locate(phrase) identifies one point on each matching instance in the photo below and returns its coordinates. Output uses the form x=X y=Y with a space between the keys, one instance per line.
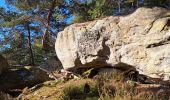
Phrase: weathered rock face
x=141 y=40
x=4 y=66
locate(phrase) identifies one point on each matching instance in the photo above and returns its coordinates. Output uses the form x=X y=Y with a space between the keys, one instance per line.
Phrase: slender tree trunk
x=119 y=4
x=45 y=39
x=30 y=46
x=137 y=3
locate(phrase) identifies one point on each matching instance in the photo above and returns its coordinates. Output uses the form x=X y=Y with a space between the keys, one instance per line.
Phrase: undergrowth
x=84 y=90
x=106 y=86
x=109 y=86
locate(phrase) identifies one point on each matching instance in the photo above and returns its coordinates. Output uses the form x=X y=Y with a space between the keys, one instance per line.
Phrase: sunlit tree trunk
x=45 y=39
x=119 y=5
x=137 y=3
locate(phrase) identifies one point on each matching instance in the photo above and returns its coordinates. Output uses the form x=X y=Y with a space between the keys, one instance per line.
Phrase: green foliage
x=6 y=15
x=26 y=4
x=17 y=20
x=39 y=55
x=100 y=9
x=93 y=9
x=155 y=2
x=29 y=4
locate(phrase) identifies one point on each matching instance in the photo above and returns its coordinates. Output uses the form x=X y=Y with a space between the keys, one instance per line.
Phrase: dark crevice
x=151 y=26
x=105 y=52
x=163 y=42
x=168 y=22
x=78 y=62
x=166 y=26
x=123 y=66
x=130 y=73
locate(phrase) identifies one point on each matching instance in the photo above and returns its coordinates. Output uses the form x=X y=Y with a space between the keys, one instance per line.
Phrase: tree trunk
x=119 y=4
x=45 y=39
x=30 y=46
x=137 y=3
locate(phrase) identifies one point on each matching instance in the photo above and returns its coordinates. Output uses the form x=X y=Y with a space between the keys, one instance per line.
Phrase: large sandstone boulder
x=4 y=66
x=140 y=40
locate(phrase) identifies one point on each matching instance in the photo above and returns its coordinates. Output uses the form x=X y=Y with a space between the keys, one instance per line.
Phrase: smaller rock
x=52 y=64
x=40 y=74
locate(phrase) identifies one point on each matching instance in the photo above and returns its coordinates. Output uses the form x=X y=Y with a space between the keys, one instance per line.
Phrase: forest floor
x=104 y=86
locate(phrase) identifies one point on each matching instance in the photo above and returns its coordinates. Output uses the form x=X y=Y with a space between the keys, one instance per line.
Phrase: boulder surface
x=4 y=66
x=140 y=40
